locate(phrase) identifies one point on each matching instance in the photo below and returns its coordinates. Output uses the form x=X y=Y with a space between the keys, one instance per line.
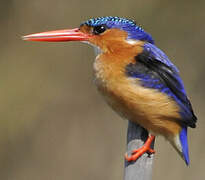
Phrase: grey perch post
x=141 y=169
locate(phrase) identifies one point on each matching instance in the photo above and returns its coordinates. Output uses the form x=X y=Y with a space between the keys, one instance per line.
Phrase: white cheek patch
x=131 y=41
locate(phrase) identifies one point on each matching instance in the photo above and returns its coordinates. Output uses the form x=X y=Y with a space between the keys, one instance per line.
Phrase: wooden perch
x=142 y=168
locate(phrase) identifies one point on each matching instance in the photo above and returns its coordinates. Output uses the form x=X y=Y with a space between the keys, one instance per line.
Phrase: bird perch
x=141 y=169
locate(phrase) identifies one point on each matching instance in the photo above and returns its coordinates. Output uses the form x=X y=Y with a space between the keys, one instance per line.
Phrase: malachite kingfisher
x=136 y=79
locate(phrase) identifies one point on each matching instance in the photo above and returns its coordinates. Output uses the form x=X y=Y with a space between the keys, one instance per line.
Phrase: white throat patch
x=97 y=50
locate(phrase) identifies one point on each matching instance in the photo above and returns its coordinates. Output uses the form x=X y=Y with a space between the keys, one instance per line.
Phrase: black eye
x=99 y=29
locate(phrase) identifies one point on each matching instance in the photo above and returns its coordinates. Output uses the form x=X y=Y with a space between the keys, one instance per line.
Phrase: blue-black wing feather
x=156 y=71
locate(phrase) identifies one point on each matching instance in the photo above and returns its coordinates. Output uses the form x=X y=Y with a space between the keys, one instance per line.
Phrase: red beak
x=59 y=36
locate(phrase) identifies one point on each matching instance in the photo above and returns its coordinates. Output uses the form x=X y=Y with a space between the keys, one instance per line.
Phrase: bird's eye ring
x=99 y=29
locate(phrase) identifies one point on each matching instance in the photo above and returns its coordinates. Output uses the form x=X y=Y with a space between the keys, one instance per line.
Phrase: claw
x=136 y=153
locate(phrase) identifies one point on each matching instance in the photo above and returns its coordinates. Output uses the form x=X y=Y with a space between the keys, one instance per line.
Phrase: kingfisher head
x=103 y=32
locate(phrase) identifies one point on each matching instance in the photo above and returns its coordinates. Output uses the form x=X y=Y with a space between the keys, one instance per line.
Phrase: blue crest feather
x=134 y=31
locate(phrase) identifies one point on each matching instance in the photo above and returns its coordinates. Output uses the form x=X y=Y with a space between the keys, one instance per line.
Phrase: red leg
x=139 y=152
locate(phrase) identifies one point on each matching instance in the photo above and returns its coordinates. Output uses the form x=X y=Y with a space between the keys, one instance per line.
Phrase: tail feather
x=184 y=144
x=180 y=143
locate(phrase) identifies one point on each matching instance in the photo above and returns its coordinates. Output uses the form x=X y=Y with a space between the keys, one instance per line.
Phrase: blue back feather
x=158 y=54
x=156 y=71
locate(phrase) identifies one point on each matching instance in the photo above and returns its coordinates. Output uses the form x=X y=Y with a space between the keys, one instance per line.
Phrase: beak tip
x=24 y=38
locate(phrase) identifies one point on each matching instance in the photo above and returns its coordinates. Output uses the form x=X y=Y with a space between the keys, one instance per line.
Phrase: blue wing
x=159 y=55
x=156 y=71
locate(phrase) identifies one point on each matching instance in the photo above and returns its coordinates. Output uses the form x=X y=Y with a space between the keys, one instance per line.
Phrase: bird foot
x=136 y=153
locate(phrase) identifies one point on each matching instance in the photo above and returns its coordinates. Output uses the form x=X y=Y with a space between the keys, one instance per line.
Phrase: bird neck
x=110 y=65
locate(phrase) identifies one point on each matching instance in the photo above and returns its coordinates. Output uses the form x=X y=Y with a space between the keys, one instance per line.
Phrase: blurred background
x=54 y=124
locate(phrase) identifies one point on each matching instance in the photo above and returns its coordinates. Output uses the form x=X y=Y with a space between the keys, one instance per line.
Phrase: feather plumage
x=156 y=71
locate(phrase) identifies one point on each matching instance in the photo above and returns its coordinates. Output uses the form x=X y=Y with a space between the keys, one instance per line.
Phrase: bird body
x=130 y=100
x=136 y=79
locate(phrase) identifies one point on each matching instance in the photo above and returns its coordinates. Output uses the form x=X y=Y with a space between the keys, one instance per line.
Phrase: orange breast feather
x=150 y=108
